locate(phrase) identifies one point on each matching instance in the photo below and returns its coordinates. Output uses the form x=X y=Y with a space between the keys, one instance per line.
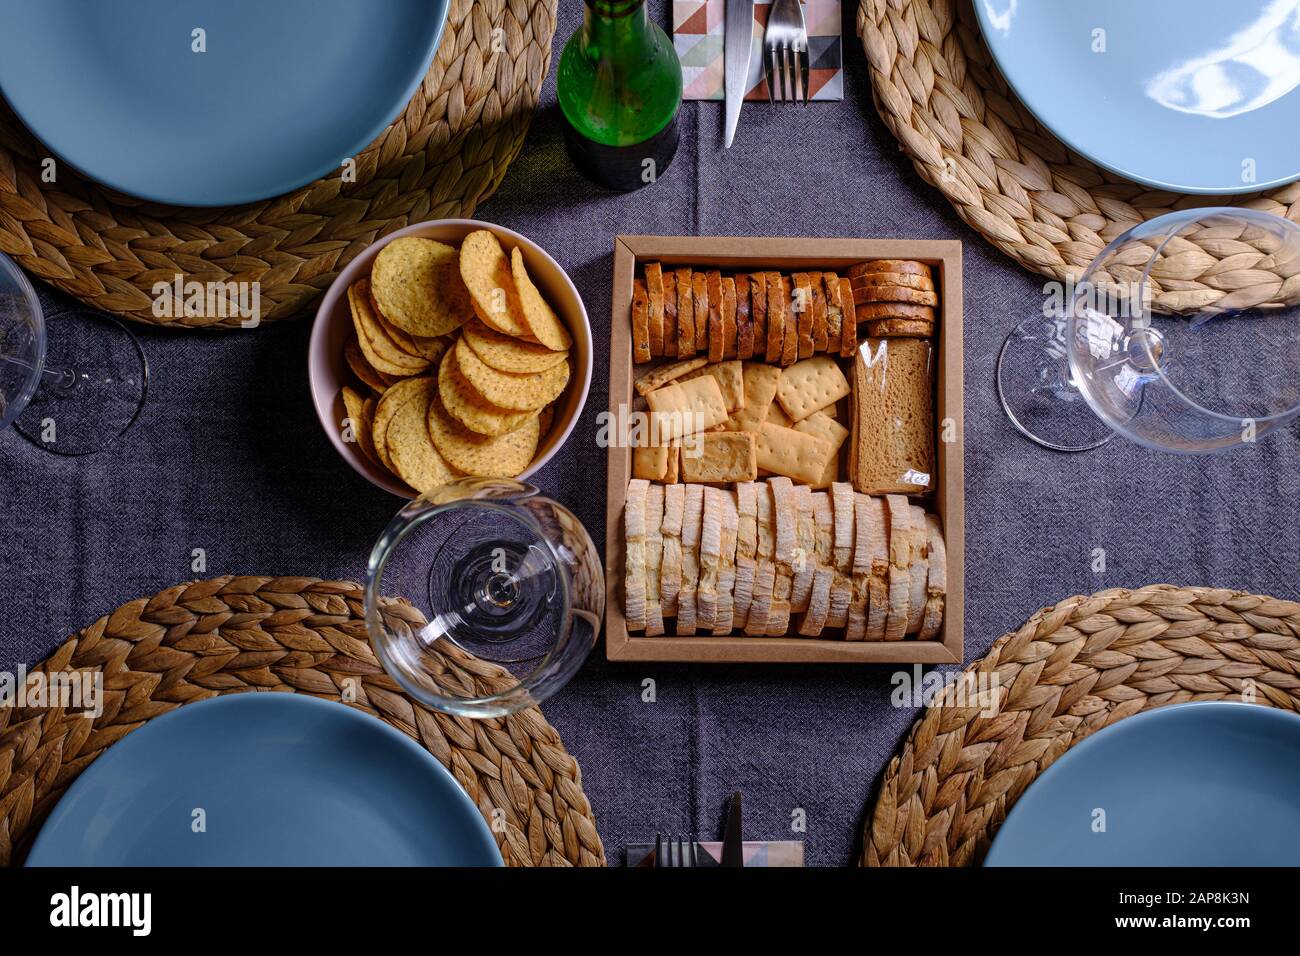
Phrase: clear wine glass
x=491 y=569
x=71 y=383
x=1182 y=335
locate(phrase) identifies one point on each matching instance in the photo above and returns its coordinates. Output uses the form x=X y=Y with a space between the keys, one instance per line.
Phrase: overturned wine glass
x=492 y=571
x=70 y=383
x=1182 y=335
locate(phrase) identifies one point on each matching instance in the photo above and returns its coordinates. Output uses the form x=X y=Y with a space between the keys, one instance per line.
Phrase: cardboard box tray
x=947 y=499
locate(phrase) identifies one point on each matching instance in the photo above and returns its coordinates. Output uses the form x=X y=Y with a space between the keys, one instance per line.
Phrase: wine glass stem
x=62 y=379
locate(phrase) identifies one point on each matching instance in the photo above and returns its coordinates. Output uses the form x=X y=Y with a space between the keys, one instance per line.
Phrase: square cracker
x=720 y=458
x=811 y=385
x=784 y=451
x=758 y=380
x=683 y=408
x=731 y=383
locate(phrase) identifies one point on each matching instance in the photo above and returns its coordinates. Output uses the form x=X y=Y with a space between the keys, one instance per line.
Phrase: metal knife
x=738 y=36
x=733 y=845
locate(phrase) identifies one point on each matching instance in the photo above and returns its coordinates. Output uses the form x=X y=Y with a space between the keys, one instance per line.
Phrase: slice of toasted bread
x=778 y=306
x=905 y=280
x=700 y=292
x=714 y=285
x=685 y=314
x=724 y=616
x=670 y=314
x=814 y=619
x=692 y=528
x=790 y=346
x=670 y=577
x=654 y=285
x=867 y=294
x=744 y=318
x=805 y=557
x=634 y=579
x=706 y=593
x=900 y=559
x=803 y=308
x=764 y=566
x=878 y=582
x=864 y=522
x=820 y=326
x=729 y=344
x=654 y=552
x=916 y=596
x=758 y=312
x=936 y=584
x=746 y=550
x=907 y=266
x=640 y=322
x=848 y=321
x=834 y=311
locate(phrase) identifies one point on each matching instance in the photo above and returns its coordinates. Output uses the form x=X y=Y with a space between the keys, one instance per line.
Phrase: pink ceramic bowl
x=328 y=371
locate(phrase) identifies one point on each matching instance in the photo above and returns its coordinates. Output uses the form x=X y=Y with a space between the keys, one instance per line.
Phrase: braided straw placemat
x=238 y=634
x=938 y=90
x=447 y=152
x=1067 y=672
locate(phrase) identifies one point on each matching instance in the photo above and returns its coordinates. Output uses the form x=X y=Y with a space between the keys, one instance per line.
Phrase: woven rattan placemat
x=447 y=152
x=1067 y=672
x=936 y=87
x=238 y=634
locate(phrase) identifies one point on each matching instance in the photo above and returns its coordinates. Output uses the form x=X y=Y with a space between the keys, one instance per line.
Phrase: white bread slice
x=819 y=598
x=916 y=596
x=725 y=615
x=692 y=526
x=634 y=567
x=936 y=582
x=706 y=593
x=654 y=552
x=900 y=559
x=746 y=550
x=878 y=582
x=842 y=508
x=786 y=518
x=670 y=578
x=805 y=558
x=760 y=608
x=864 y=523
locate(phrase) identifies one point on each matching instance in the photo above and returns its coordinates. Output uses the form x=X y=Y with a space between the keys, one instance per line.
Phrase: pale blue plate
x=1195 y=96
x=275 y=780
x=1204 y=784
x=285 y=92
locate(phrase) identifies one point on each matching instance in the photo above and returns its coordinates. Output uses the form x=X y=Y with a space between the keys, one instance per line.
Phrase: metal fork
x=785 y=53
x=674 y=852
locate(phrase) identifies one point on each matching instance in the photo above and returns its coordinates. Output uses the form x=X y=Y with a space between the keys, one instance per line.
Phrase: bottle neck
x=612 y=23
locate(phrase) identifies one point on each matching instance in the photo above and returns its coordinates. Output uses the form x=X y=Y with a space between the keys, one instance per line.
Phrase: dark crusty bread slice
x=893 y=434
x=728 y=317
x=685 y=314
x=715 y=315
x=640 y=322
x=654 y=285
x=819 y=333
x=790 y=346
x=849 y=322
x=744 y=319
x=700 y=291
x=909 y=266
x=872 y=311
x=758 y=311
x=864 y=295
x=777 y=307
x=904 y=279
x=670 y=314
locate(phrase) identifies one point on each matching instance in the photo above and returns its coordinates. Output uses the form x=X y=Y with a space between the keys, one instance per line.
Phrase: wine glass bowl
x=1181 y=335
x=485 y=576
x=22 y=341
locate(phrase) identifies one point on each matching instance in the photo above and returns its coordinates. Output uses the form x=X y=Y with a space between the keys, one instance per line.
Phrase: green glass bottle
x=620 y=88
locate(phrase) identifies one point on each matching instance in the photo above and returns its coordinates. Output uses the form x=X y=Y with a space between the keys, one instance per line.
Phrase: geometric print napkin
x=697 y=37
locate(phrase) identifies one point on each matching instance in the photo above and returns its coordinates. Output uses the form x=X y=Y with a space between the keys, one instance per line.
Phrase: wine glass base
x=1034 y=387
x=95 y=382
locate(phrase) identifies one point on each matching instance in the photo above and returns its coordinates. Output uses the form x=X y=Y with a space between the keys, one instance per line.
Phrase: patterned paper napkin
x=697 y=35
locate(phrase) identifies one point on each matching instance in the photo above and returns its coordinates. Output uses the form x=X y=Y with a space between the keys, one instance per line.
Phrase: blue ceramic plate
x=284 y=92
x=1206 y=784
x=1196 y=96
x=280 y=780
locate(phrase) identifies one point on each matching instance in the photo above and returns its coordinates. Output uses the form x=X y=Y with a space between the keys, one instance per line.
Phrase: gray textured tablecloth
x=228 y=457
